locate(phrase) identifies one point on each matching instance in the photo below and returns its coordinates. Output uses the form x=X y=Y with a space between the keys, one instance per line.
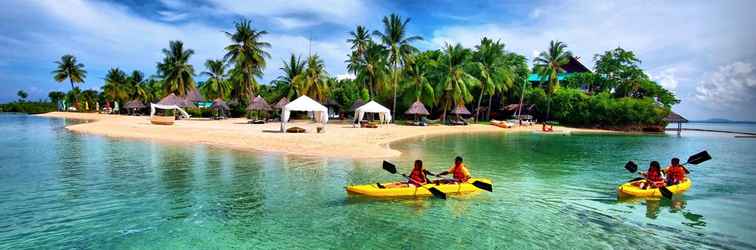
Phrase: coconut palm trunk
x=477 y=111
x=488 y=111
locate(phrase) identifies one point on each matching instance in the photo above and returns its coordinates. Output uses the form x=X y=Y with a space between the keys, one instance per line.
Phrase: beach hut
x=258 y=104
x=194 y=96
x=384 y=113
x=676 y=118
x=281 y=103
x=417 y=108
x=304 y=103
x=460 y=110
x=134 y=105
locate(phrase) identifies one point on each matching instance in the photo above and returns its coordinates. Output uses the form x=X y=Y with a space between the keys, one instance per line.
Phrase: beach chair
x=295 y=130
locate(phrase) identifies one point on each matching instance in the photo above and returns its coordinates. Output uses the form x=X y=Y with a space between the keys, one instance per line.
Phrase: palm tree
x=313 y=82
x=492 y=71
x=456 y=82
x=116 y=85
x=216 y=85
x=175 y=69
x=395 y=39
x=415 y=72
x=548 y=65
x=360 y=39
x=247 y=54
x=290 y=70
x=69 y=69
x=370 y=68
x=137 y=87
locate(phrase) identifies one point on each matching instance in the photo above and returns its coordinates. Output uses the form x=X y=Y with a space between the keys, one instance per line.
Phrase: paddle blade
x=437 y=193
x=698 y=158
x=631 y=166
x=389 y=167
x=666 y=193
x=482 y=185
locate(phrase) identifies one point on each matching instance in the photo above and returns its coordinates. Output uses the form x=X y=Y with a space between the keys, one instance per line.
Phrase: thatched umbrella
x=194 y=96
x=676 y=118
x=258 y=104
x=219 y=104
x=172 y=99
x=281 y=103
x=460 y=110
x=416 y=109
x=358 y=103
x=134 y=104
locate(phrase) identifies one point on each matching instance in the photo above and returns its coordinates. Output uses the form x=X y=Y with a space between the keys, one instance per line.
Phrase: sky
x=703 y=51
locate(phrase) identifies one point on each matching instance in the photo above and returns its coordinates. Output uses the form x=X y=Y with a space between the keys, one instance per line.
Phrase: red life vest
x=676 y=173
x=460 y=173
x=418 y=177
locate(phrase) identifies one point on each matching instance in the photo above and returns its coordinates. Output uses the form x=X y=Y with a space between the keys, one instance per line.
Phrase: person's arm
x=447 y=171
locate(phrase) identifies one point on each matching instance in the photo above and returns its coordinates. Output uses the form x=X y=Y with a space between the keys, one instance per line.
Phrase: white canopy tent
x=154 y=106
x=373 y=107
x=304 y=103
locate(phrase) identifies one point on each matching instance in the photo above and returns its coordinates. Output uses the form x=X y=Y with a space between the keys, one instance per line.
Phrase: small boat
x=412 y=191
x=632 y=189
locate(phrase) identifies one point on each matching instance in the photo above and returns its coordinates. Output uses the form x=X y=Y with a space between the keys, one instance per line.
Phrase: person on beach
x=417 y=177
x=654 y=176
x=676 y=172
x=459 y=171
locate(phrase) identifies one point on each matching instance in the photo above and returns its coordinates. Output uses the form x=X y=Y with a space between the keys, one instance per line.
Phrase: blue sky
x=704 y=51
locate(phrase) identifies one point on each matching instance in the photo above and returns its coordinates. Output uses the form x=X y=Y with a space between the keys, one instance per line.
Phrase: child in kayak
x=417 y=177
x=676 y=172
x=459 y=171
x=654 y=177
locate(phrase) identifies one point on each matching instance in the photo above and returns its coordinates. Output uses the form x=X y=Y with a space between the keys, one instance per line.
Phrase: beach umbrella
x=281 y=103
x=258 y=103
x=134 y=104
x=219 y=104
x=460 y=110
x=194 y=96
x=172 y=99
x=416 y=109
x=358 y=103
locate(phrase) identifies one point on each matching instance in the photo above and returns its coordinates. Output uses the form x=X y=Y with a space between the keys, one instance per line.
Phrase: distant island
x=722 y=120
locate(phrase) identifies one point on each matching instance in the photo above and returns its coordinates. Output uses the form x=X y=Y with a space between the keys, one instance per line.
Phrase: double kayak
x=412 y=191
x=632 y=189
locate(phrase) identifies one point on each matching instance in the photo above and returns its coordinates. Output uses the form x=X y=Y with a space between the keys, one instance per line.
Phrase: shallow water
x=65 y=190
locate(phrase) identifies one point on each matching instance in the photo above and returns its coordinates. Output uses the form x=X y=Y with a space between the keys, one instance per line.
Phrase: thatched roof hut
x=281 y=103
x=134 y=104
x=259 y=103
x=460 y=110
x=417 y=108
x=219 y=104
x=172 y=99
x=675 y=118
x=357 y=103
x=194 y=96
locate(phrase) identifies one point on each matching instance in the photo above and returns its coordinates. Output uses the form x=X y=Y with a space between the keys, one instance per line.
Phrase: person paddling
x=417 y=177
x=676 y=172
x=459 y=171
x=654 y=177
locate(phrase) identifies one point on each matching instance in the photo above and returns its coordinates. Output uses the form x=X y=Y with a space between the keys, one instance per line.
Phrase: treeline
x=386 y=67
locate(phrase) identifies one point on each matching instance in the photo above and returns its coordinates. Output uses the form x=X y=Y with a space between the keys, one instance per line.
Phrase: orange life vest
x=460 y=172
x=418 y=177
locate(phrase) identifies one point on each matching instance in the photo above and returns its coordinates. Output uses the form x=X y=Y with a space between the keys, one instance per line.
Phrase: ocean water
x=63 y=190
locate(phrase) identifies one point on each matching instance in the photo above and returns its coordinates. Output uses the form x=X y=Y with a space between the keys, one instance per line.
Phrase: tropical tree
x=22 y=95
x=494 y=75
x=396 y=41
x=56 y=96
x=620 y=69
x=360 y=38
x=370 y=68
x=548 y=65
x=69 y=69
x=175 y=70
x=137 y=87
x=116 y=85
x=456 y=82
x=247 y=53
x=216 y=85
x=89 y=97
x=313 y=82
x=291 y=69
x=416 y=73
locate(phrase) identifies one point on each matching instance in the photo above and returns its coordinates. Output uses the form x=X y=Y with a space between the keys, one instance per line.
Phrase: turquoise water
x=65 y=190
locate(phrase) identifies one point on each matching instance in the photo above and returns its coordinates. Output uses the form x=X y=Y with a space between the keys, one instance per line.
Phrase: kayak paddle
x=631 y=166
x=388 y=166
x=693 y=159
x=478 y=184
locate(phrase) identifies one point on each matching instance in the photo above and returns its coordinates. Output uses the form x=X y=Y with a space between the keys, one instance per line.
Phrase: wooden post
x=679 y=128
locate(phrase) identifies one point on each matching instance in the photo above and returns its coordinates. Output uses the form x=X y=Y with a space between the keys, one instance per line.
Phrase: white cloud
x=535 y=13
x=732 y=85
x=294 y=23
x=172 y=16
x=332 y=11
x=345 y=76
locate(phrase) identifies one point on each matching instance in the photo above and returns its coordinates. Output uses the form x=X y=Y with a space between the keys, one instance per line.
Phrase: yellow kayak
x=374 y=190
x=628 y=189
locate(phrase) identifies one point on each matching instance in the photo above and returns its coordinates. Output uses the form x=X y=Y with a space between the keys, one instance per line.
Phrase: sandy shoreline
x=340 y=140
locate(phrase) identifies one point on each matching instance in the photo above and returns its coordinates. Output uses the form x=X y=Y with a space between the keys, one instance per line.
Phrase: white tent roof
x=373 y=107
x=304 y=103
x=154 y=106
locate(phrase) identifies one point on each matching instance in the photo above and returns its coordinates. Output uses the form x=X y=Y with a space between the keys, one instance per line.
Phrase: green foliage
x=56 y=96
x=313 y=81
x=177 y=73
x=28 y=107
x=69 y=68
x=247 y=53
x=216 y=86
x=22 y=94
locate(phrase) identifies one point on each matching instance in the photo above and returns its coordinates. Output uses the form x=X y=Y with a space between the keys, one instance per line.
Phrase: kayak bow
x=411 y=191
x=631 y=189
